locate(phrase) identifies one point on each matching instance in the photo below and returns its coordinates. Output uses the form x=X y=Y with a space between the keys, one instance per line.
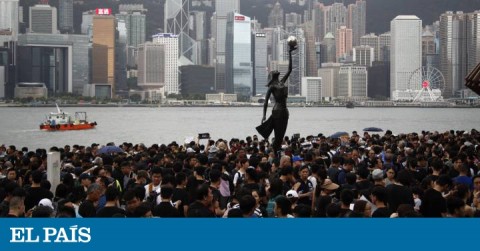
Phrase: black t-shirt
x=108 y=212
x=180 y=194
x=164 y=210
x=34 y=195
x=397 y=195
x=433 y=204
x=305 y=187
x=382 y=212
x=198 y=210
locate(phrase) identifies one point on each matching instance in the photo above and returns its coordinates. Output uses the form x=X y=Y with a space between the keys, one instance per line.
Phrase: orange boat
x=62 y=121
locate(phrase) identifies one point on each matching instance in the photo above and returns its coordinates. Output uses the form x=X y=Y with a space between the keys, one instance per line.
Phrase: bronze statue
x=279 y=119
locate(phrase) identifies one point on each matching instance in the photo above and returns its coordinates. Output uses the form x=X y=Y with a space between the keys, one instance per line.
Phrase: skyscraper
x=136 y=26
x=372 y=41
x=352 y=82
x=406 y=52
x=275 y=18
x=327 y=49
x=318 y=16
x=103 y=50
x=222 y=8
x=384 y=46
x=170 y=42
x=363 y=55
x=312 y=89
x=9 y=17
x=473 y=43
x=238 y=58
x=292 y=21
x=343 y=39
x=65 y=13
x=336 y=16
x=151 y=65
x=453 y=51
x=177 y=22
x=43 y=19
x=329 y=75
x=357 y=15
x=260 y=78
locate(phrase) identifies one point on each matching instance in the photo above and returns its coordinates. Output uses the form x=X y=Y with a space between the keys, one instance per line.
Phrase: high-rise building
x=453 y=51
x=222 y=9
x=61 y=61
x=336 y=17
x=372 y=41
x=473 y=43
x=406 y=52
x=260 y=77
x=136 y=26
x=329 y=75
x=172 y=85
x=298 y=60
x=177 y=21
x=9 y=18
x=312 y=89
x=428 y=45
x=275 y=18
x=318 y=17
x=352 y=82
x=328 y=52
x=363 y=55
x=197 y=80
x=384 y=47
x=238 y=57
x=343 y=43
x=311 y=58
x=43 y=19
x=87 y=22
x=151 y=65
x=292 y=21
x=65 y=14
x=356 y=20
x=103 y=50
x=121 y=54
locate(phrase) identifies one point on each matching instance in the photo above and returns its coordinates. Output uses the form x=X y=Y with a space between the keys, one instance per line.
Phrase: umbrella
x=110 y=149
x=339 y=134
x=373 y=129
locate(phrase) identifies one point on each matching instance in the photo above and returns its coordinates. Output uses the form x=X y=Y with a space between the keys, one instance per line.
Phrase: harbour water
x=20 y=126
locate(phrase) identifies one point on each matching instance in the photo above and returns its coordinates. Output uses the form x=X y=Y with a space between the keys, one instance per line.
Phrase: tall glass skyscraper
x=406 y=52
x=222 y=8
x=238 y=58
x=453 y=51
x=65 y=13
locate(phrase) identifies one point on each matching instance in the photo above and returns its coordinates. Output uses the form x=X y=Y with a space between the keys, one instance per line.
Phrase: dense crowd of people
x=427 y=174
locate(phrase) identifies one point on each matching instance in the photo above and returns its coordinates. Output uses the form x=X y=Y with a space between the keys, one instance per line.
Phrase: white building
x=363 y=55
x=352 y=82
x=9 y=17
x=312 y=89
x=171 y=61
x=406 y=51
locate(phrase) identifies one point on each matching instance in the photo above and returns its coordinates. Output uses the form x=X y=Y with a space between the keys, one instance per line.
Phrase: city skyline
x=323 y=28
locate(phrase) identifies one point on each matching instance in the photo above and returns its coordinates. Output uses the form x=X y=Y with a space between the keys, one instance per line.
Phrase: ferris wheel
x=426 y=84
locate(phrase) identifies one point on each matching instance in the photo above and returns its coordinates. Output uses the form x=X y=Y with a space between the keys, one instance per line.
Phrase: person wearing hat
x=328 y=188
x=292 y=195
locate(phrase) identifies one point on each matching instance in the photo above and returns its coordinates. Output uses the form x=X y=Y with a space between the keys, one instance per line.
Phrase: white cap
x=46 y=203
x=292 y=194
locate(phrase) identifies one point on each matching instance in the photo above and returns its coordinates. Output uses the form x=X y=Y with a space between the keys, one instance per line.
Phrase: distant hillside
x=379 y=12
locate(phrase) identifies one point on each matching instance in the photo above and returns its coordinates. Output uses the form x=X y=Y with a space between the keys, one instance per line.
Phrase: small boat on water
x=62 y=121
x=350 y=105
